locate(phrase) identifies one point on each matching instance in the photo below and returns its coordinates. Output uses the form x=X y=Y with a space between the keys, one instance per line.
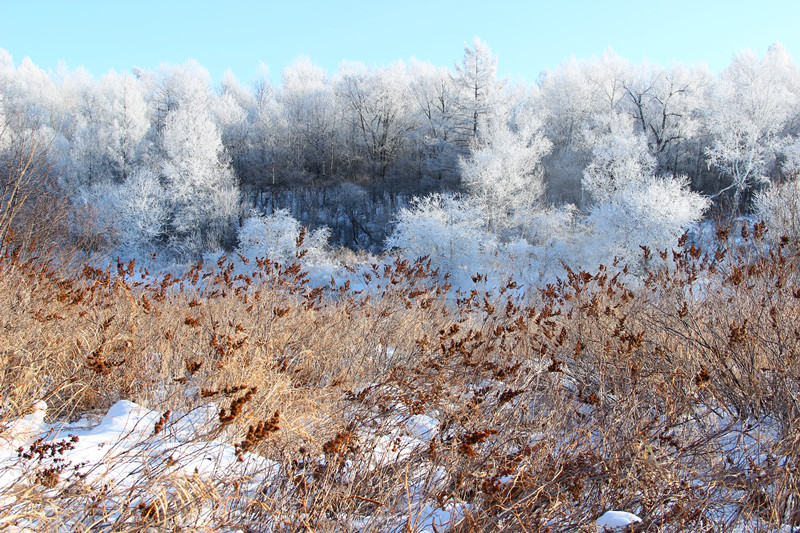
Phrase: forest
x=596 y=150
x=401 y=298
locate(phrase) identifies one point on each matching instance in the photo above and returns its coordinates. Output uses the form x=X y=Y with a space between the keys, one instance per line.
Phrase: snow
x=120 y=455
x=431 y=520
x=422 y=427
x=616 y=521
x=24 y=429
x=124 y=458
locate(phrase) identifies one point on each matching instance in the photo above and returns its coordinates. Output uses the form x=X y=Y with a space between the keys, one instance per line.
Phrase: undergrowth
x=672 y=394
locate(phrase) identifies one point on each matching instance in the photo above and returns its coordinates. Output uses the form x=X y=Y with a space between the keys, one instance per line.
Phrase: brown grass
x=673 y=396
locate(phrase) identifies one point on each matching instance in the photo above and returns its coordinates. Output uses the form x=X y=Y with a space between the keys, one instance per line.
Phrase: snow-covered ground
x=130 y=457
x=616 y=521
x=97 y=469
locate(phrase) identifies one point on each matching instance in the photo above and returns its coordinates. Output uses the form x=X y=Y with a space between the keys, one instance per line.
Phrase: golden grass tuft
x=672 y=395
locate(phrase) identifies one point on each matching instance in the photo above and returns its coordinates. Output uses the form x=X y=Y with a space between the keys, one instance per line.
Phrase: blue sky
x=528 y=37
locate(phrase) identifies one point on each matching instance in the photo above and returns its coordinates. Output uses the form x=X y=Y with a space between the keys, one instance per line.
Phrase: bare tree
x=31 y=207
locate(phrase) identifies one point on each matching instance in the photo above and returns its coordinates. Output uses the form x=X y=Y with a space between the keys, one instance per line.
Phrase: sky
x=527 y=36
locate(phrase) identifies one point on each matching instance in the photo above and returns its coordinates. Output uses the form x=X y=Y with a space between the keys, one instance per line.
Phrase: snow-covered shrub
x=450 y=230
x=558 y=237
x=276 y=237
x=620 y=156
x=553 y=223
x=779 y=207
x=132 y=215
x=652 y=212
x=779 y=204
x=142 y=211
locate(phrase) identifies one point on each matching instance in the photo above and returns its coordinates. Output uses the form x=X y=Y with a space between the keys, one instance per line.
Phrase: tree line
x=168 y=162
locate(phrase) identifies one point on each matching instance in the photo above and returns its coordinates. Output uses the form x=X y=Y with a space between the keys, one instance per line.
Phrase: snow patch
x=615 y=521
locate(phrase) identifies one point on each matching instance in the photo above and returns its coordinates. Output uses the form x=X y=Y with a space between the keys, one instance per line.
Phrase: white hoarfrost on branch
x=503 y=173
x=203 y=194
x=779 y=204
x=478 y=90
x=142 y=212
x=619 y=156
x=756 y=100
x=277 y=237
x=651 y=212
x=447 y=228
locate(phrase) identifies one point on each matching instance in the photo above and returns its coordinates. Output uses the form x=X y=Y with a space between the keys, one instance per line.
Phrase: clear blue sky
x=527 y=36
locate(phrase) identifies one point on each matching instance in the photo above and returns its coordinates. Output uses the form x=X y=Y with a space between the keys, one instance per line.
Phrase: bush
x=652 y=212
x=450 y=230
x=280 y=238
x=779 y=207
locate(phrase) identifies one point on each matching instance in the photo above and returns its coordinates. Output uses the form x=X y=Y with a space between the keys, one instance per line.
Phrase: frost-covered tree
x=667 y=106
x=754 y=102
x=619 y=155
x=85 y=162
x=6 y=75
x=232 y=109
x=202 y=189
x=564 y=106
x=174 y=85
x=379 y=111
x=132 y=215
x=606 y=77
x=779 y=207
x=266 y=142
x=572 y=100
x=30 y=94
x=142 y=209
x=503 y=173
x=479 y=90
x=126 y=122
x=110 y=130
x=310 y=118
x=434 y=93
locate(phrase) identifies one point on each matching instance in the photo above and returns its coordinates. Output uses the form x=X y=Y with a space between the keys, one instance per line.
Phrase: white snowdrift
x=123 y=457
x=616 y=521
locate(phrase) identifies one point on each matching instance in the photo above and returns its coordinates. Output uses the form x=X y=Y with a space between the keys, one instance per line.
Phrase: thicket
x=672 y=394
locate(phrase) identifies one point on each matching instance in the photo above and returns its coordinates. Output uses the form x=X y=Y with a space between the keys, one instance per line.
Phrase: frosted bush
x=558 y=238
x=276 y=237
x=450 y=230
x=791 y=157
x=553 y=223
x=779 y=207
x=653 y=212
x=132 y=215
